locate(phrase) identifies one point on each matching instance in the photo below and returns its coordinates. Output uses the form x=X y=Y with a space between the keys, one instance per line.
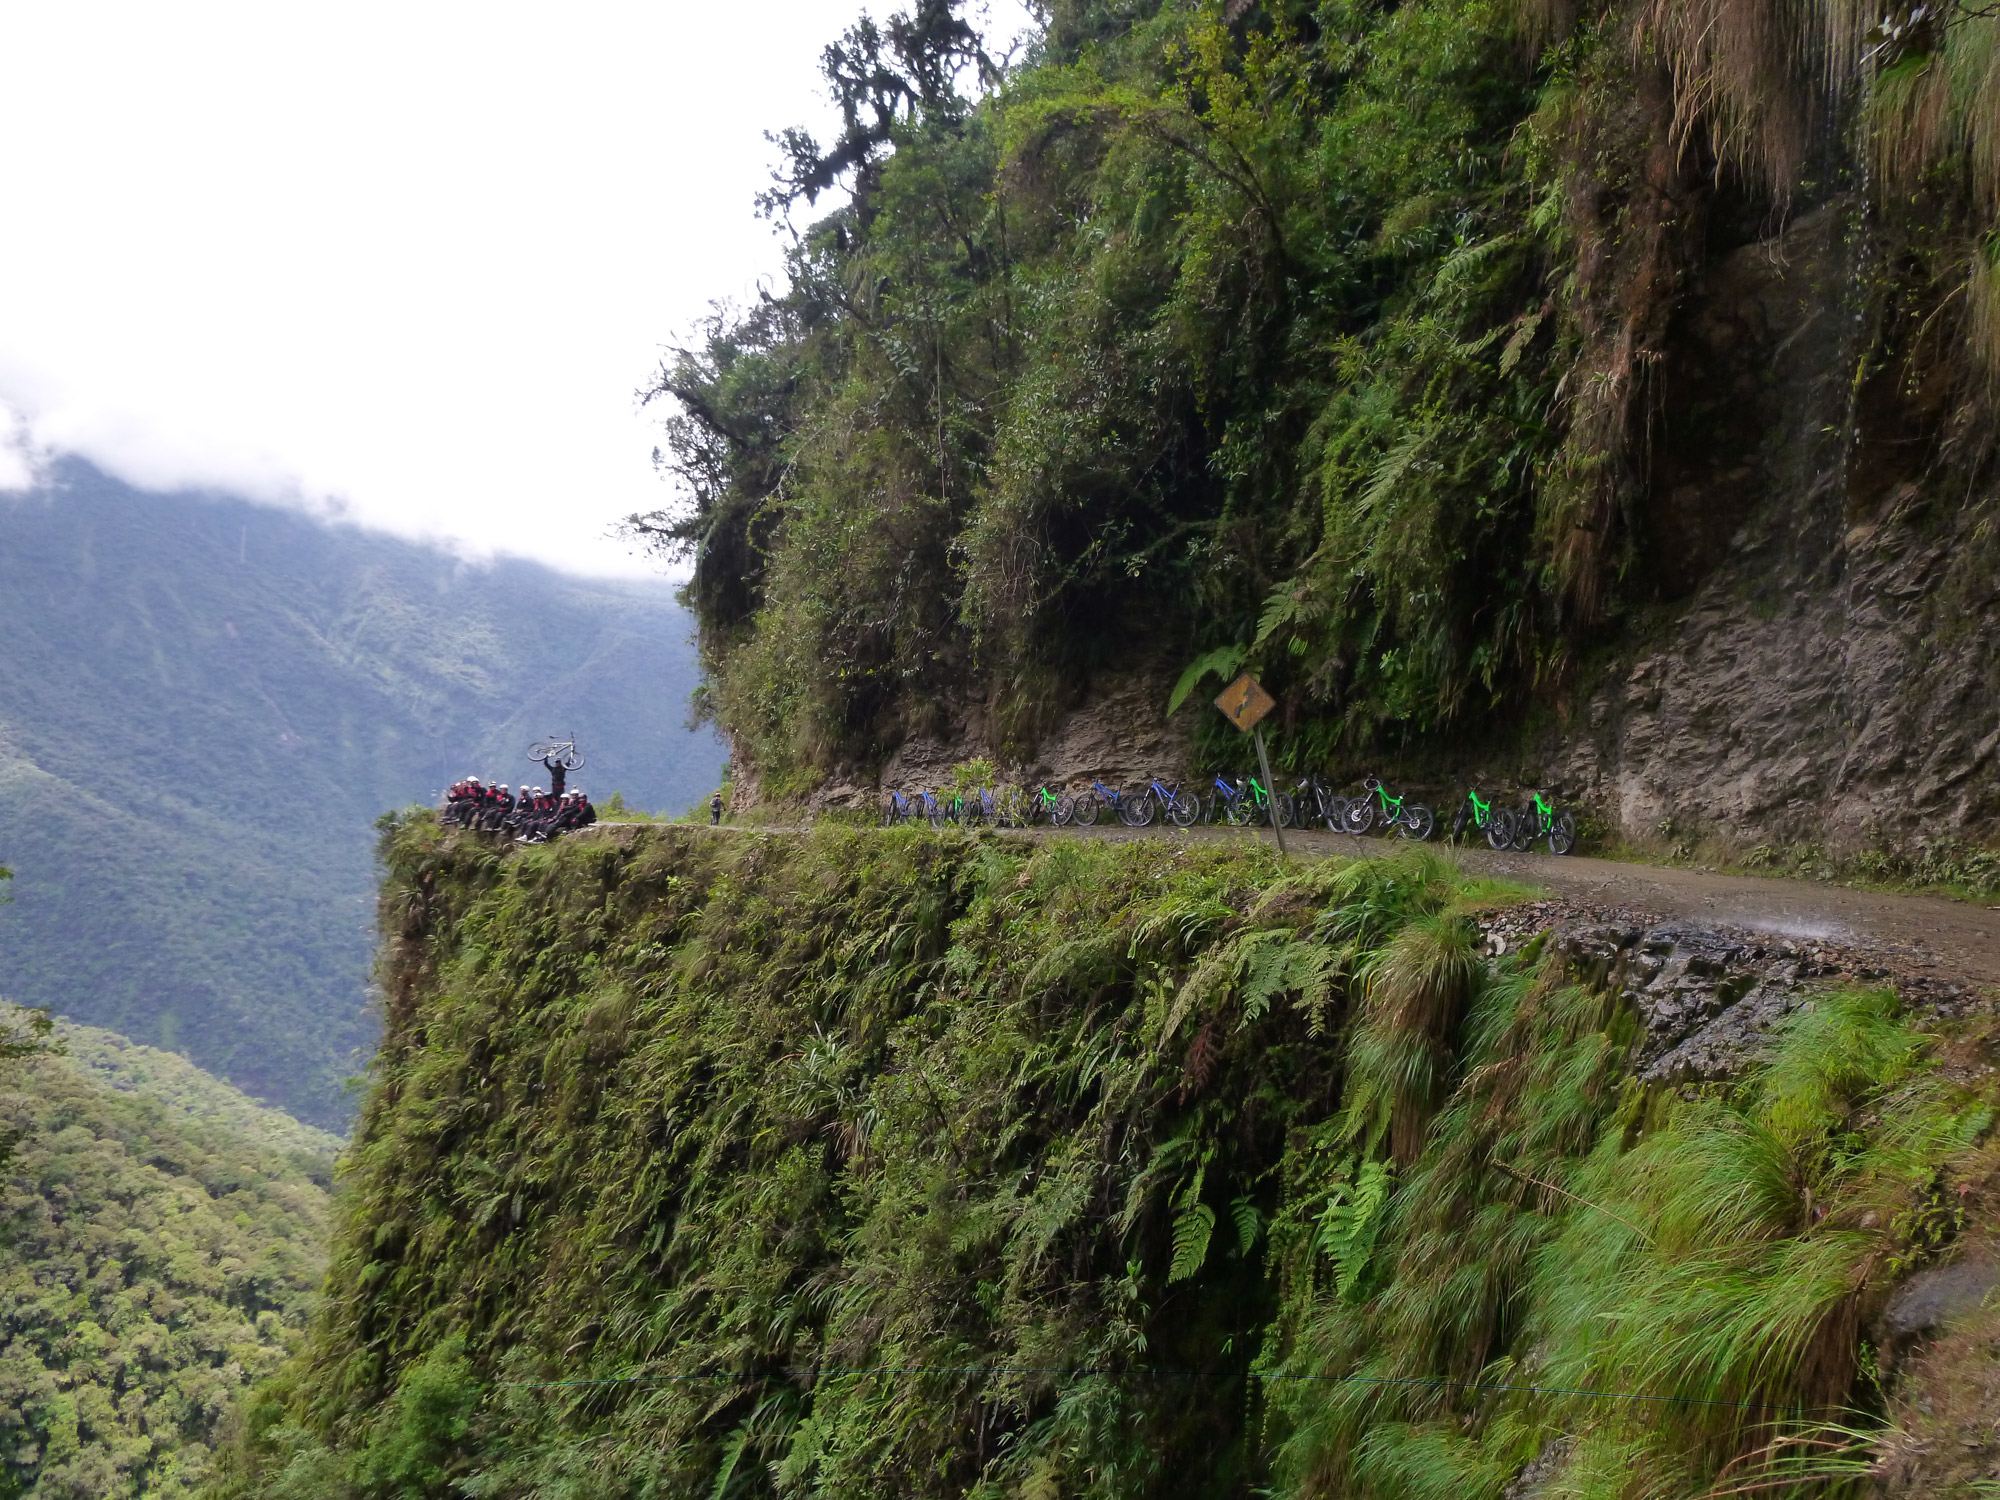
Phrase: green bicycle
x=1477 y=815
x=1044 y=804
x=1375 y=808
x=1539 y=819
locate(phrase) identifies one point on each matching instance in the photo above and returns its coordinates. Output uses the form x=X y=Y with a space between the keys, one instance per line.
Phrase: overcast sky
x=409 y=259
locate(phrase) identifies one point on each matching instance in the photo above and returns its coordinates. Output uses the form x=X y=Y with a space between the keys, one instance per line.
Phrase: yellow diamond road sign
x=1243 y=703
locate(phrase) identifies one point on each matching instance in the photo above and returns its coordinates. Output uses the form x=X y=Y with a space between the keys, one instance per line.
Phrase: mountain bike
x=898 y=810
x=972 y=808
x=1044 y=804
x=1226 y=804
x=1246 y=801
x=1313 y=801
x=1539 y=819
x=1089 y=804
x=1376 y=808
x=1476 y=814
x=1139 y=809
x=554 y=753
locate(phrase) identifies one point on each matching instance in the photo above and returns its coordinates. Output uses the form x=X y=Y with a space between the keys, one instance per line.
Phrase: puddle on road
x=1791 y=927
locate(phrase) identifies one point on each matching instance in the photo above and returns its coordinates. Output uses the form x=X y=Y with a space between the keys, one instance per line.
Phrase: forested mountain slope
x=876 y=1164
x=204 y=705
x=1601 y=396
x=160 y=1238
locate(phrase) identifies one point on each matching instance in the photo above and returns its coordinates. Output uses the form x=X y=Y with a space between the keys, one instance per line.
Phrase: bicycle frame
x=1545 y=813
x=1482 y=810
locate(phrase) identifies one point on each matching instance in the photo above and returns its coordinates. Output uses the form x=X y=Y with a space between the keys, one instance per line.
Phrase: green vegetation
x=204 y=705
x=1312 y=335
x=877 y=1164
x=160 y=1238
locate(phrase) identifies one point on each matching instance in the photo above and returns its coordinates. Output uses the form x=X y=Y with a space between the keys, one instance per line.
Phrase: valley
x=204 y=706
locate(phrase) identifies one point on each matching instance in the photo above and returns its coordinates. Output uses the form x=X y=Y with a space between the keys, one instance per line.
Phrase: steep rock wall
x=1833 y=674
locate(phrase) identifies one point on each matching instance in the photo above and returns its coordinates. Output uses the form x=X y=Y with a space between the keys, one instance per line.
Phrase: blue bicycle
x=1247 y=800
x=1137 y=810
x=1089 y=804
x=976 y=807
x=1231 y=802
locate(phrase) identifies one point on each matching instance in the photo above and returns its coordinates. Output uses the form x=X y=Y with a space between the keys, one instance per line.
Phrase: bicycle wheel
x=1500 y=828
x=1062 y=812
x=571 y=762
x=1526 y=828
x=938 y=815
x=1083 y=812
x=1333 y=812
x=1183 y=810
x=1359 y=816
x=1285 y=810
x=1459 y=819
x=1136 y=810
x=1417 y=822
x=542 y=749
x=1562 y=834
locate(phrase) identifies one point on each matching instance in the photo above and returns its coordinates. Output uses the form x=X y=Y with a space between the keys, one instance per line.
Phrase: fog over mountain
x=205 y=704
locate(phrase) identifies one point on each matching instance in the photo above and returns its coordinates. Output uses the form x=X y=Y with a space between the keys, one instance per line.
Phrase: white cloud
x=416 y=258
x=20 y=463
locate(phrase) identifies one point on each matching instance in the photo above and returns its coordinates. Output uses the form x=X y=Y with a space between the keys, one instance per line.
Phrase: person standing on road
x=715 y=810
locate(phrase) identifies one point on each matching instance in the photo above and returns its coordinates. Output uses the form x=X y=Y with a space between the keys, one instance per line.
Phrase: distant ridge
x=204 y=705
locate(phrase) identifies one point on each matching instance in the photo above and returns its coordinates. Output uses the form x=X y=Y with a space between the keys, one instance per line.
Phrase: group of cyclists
x=534 y=814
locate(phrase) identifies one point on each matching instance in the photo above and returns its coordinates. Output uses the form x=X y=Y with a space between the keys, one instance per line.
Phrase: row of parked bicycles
x=1240 y=802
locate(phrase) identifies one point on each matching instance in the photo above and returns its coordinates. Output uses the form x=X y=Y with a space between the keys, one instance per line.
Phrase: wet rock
x=1829 y=677
x=1707 y=996
x=1932 y=1298
x=1532 y=1481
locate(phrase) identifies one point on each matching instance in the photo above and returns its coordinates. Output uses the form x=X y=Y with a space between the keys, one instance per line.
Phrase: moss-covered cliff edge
x=892 y=1164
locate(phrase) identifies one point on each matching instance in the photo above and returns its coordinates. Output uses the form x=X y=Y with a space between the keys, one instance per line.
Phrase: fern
x=1249 y=1221
x=1203 y=1052
x=1222 y=661
x=1284 y=966
x=1351 y=1224
x=1192 y=1228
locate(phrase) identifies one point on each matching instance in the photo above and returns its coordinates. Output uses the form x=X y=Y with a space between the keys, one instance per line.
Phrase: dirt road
x=1950 y=941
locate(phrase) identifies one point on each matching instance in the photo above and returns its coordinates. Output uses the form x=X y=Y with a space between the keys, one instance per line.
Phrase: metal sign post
x=1244 y=704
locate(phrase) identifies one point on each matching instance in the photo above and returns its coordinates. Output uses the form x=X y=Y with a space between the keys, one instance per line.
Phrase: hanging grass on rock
x=875 y=1164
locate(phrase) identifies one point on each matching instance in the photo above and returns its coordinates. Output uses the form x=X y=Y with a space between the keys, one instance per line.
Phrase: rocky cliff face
x=1830 y=675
